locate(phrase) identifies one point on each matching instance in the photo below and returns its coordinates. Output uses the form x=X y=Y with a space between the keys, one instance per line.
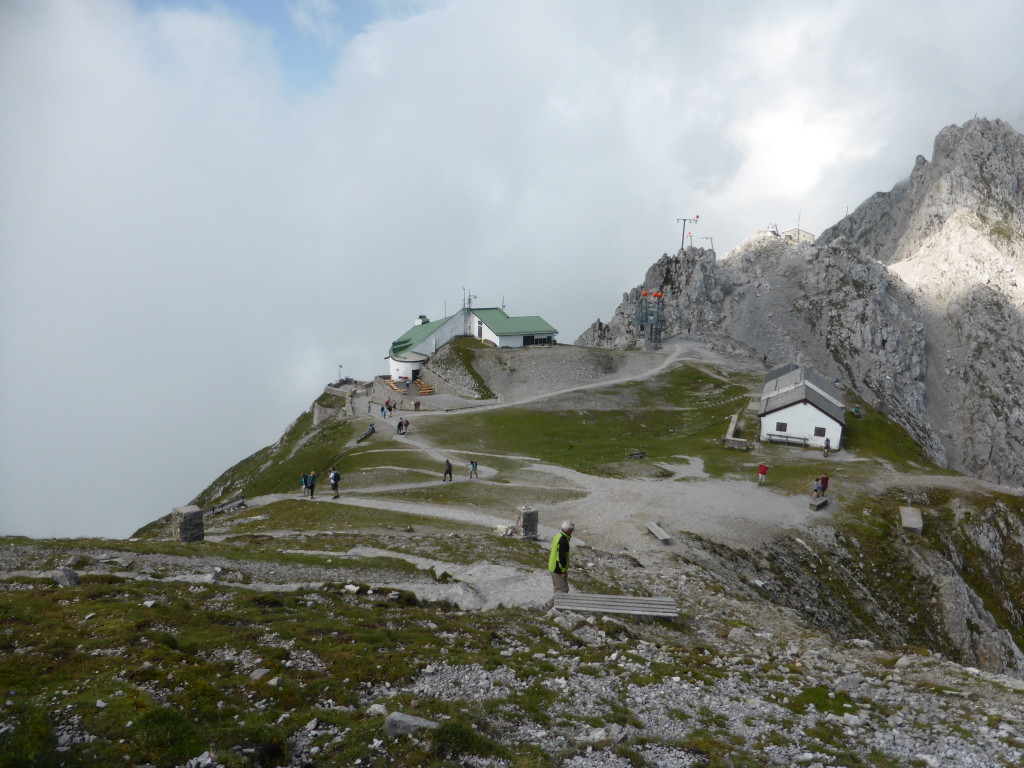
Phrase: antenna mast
x=693 y=220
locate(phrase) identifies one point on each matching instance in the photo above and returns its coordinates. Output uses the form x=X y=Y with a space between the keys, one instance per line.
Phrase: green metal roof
x=415 y=335
x=503 y=325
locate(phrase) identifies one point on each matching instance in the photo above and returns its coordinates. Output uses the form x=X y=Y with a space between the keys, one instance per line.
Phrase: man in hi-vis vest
x=558 y=563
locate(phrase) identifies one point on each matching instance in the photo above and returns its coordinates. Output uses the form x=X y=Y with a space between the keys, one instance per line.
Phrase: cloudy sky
x=207 y=207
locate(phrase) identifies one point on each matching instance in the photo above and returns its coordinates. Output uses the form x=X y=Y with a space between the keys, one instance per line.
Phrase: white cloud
x=189 y=246
x=319 y=19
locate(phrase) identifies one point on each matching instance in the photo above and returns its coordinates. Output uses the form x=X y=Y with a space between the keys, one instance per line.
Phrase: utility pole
x=694 y=221
x=712 y=241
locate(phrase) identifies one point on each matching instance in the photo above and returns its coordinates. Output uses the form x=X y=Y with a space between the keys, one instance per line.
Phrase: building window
x=819 y=431
x=780 y=426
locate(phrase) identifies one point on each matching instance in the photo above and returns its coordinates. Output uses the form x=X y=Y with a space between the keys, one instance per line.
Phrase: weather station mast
x=694 y=220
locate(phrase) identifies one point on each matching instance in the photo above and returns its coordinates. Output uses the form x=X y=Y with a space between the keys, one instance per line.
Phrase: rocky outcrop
x=915 y=301
x=694 y=287
x=957 y=590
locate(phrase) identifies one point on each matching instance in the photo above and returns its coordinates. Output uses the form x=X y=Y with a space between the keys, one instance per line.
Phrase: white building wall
x=801 y=420
x=441 y=336
x=400 y=368
x=486 y=333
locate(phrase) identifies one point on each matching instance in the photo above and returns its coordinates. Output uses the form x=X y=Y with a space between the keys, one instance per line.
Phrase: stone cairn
x=526 y=523
x=187 y=523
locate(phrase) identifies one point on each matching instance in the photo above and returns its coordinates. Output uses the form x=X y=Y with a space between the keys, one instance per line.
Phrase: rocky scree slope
x=915 y=300
x=736 y=682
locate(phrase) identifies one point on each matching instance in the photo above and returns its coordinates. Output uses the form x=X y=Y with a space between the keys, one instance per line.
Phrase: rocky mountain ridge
x=915 y=301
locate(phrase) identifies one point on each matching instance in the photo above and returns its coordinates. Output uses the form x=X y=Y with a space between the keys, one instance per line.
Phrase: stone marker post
x=187 y=523
x=526 y=523
x=910 y=517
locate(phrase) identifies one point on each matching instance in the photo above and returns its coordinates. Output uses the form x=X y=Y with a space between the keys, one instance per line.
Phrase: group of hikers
x=447 y=476
x=308 y=482
x=820 y=484
x=389 y=407
x=819 y=487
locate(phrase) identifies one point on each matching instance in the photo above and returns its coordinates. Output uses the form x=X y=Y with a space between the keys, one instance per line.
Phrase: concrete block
x=526 y=522
x=911 y=519
x=187 y=523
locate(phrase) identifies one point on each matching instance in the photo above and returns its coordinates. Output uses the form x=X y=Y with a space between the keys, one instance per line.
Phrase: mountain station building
x=490 y=325
x=799 y=407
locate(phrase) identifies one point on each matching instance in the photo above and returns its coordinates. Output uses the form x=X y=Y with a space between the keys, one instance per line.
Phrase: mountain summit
x=915 y=300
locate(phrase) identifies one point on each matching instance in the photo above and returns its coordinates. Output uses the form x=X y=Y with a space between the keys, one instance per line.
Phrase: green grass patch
x=483 y=496
x=305 y=515
x=278 y=468
x=464 y=349
x=681 y=412
x=877 y=437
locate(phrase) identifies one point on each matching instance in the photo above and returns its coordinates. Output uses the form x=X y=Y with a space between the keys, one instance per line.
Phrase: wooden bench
x=366 y=434
x=423 y=387
x=393 y=385
x=659 y=534
x=636 y=606
x=636 y=454
x=779 y=437
x=817 y=503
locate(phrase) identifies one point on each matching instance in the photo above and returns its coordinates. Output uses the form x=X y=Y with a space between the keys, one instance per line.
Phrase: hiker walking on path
x=824 y=484
x=826 y=447
x=335 y=477
x=311 y=483
x=558 y=563
x=447 y=472
x=472 y=471
x=762 y=473
x=305 y=484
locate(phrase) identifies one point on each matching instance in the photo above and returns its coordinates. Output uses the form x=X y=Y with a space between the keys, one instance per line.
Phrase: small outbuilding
x=801 y=408
x=797 y=235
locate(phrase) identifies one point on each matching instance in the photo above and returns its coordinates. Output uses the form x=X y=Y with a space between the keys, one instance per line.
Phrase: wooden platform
x=658 y=533
x=636 y=606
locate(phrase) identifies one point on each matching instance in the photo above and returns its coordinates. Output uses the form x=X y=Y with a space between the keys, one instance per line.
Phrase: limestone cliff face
x=915 y=300
x=956 y=590
x=695 y=289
